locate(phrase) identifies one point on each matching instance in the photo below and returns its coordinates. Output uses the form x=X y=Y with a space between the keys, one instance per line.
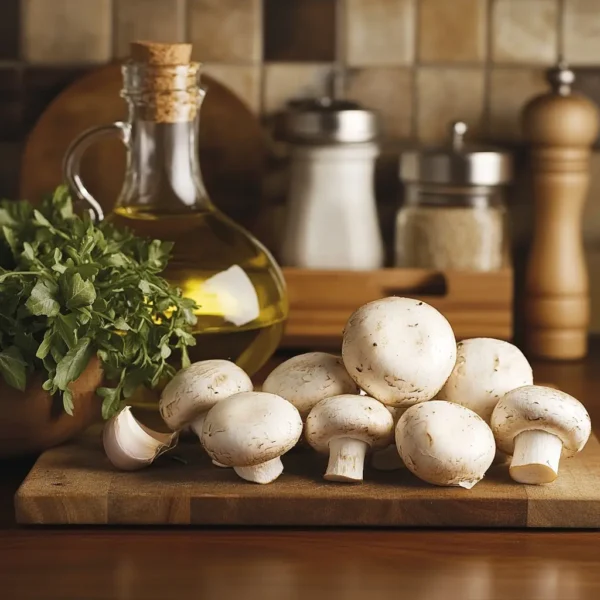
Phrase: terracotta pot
x=33 y=421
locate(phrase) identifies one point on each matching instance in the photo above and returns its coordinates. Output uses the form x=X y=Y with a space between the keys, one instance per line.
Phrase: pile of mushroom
x=402 y=389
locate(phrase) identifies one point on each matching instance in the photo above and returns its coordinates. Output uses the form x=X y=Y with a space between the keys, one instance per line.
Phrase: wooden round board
x=232 y=144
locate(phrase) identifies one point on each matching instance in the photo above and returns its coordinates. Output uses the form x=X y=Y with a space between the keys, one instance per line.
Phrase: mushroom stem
x=536 y=457
x=262 y=473
x=346 y=459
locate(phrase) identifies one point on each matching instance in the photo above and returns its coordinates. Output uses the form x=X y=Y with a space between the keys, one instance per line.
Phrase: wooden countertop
x=164 y=564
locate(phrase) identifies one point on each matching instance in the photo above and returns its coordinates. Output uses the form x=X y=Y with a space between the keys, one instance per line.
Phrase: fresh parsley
x=70 y=288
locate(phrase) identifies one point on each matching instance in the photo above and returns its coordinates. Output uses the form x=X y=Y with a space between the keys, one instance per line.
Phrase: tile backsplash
x=419 y=63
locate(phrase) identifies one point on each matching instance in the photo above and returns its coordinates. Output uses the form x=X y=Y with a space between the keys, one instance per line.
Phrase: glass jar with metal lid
x=454 y=214
x=332 y=220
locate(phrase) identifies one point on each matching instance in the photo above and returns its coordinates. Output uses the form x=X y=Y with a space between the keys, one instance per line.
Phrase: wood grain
x=76 y=485
x=476 y=304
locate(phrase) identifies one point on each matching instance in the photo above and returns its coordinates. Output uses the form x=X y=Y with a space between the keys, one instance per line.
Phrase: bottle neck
x=163 y=171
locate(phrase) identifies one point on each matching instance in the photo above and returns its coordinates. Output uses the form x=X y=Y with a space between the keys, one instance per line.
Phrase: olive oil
x=207 y=243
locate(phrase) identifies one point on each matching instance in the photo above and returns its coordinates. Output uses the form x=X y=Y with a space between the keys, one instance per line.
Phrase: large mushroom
x=188 y=397
x=485 y=370
x=346 y=427
x=445 y=444
x=399 y=350
x=536 y=425
x=250 y=431
x=306 y=379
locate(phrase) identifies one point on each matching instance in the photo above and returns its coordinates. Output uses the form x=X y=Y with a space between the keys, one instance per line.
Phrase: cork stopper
x=163 y=82
x=154 y=53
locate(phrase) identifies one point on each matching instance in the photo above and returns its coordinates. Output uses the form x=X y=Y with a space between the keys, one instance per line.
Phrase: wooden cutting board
x=232 y=144
x=76 y=485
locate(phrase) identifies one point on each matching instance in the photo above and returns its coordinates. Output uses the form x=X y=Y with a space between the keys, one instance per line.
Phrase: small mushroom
x=399 y=350
x=485 y=370
x=445 y=444
x=536 y=425
x=193 y=391
x=249 y=431
x=346 y=427
x=306 y=379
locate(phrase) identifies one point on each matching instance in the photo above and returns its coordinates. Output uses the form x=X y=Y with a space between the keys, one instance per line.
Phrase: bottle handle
x=75 y=152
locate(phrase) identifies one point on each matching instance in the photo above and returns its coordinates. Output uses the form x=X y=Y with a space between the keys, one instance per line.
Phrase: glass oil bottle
x=234 y=280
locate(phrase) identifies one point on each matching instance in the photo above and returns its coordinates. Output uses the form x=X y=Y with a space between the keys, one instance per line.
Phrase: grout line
x=560 y=28
x=414 y=124
x=486 y=115
x=182 y=25
x=113 y=30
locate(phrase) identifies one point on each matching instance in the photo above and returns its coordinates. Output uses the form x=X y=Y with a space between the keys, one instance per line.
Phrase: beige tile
x=525 y=31
x=379 y=32
x=243 y=80
x=156 y=20
x=66 y=31
x=582 y=31
x=446 y=95
x=287 y=81
x=388 y=90
x=510 y=89
x=226 y=30
x=452 y=31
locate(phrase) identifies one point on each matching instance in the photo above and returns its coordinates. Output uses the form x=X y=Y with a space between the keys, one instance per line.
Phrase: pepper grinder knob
x=561 y=127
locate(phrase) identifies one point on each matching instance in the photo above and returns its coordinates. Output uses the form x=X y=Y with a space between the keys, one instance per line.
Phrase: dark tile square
x=9 y=29
x=41 y=85
x=10 y=160
x=299 y=30
x=11 y=104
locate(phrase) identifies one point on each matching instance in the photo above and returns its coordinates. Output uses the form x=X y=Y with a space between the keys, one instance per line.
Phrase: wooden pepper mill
x=561 y=127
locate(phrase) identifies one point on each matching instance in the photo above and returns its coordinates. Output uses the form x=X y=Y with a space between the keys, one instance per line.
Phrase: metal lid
x=457 y=163
x=328 y=121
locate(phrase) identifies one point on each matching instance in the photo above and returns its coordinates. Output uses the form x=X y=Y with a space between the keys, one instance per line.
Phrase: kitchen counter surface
x=281 y=564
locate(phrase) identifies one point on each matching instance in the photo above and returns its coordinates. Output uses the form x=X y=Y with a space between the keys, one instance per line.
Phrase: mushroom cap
x=535 y=407
x=445 y=443
x=349 y=415
x=250 y=428
x=306 y=379
x=198 y=388
x=399 y=350
x=485 y=370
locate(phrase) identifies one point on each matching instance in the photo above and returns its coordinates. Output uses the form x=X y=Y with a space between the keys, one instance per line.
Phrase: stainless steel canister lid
x=328 y=121
x=457 y=163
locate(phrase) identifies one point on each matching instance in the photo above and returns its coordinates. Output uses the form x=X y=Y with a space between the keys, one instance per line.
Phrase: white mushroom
x=388 y=458
x=445 y=444
x=249 y=432
x=536 y=425
x=346 y=427
x=194 y=391
x=485 y=370
x=399 y=350
x=306 y=379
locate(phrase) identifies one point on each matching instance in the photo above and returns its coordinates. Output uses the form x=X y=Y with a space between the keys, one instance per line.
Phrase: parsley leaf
x=71 y=289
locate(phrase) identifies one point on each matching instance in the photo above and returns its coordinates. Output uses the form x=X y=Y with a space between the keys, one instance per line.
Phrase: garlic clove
x=130 y=446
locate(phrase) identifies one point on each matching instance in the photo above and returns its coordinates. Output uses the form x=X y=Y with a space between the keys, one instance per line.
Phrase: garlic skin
x=131 y=446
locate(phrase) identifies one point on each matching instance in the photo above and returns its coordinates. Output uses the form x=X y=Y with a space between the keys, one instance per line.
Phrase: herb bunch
x=71 y=288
